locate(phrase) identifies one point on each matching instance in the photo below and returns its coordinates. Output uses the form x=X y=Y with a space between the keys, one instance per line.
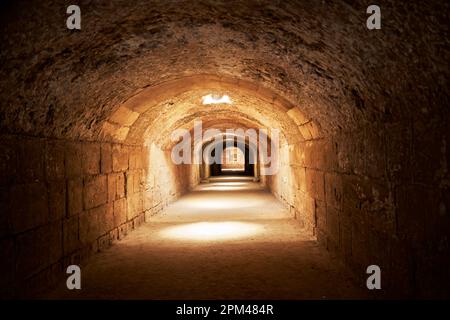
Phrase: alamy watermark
x=74 y=20
x=374 y=280
x=374 y=20
x=74 y=280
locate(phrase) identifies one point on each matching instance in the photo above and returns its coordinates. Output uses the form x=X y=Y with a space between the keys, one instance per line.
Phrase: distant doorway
x=233 y=161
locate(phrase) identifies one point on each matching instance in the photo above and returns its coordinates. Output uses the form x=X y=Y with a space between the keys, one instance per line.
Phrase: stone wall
x=63 y=200
x=357 y=193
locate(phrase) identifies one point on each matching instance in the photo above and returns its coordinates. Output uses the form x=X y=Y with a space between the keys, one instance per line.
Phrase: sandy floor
x=228 y=239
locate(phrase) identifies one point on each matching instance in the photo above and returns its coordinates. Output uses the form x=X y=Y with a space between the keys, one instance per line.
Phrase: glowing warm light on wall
x=213 y=99
x=207 y=231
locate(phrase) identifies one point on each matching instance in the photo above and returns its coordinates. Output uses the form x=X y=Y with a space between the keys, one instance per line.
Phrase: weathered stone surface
x=31 y=161
x=333 y=229
x=28 y=206
x=315 y=184
x=106 y=219
x=57 y=199
x=112 y=182
x=95 y=191
x=120 y=158
x=91 y=158
x=54 y=160
x=120 y=212
x=134 y=205
x=73 y=160
x=106 y=158
x=89 y=225
x=74 y=196
x=333 y=190
x=38 y=248
x=71 y=239
x=120 y=185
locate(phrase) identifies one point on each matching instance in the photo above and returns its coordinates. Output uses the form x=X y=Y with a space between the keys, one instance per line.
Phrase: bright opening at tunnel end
x=190 y=147
x=216 y=99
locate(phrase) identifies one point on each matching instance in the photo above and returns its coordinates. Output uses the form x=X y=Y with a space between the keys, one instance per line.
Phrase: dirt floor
x=228 y=239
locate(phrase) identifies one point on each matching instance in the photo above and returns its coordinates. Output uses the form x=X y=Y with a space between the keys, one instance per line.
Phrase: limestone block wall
x=62 y=200
x=357 y=192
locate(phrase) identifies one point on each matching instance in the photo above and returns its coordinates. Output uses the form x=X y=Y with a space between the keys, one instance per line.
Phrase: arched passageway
x=354 y=123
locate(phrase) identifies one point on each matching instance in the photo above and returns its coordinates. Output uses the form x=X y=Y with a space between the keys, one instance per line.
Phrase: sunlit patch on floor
x=213 y=231
x=217 y=203
x=227 y=186
x=223 y=188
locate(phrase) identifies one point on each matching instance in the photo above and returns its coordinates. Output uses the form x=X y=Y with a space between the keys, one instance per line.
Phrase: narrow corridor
x=228 y=239
x=112 y=138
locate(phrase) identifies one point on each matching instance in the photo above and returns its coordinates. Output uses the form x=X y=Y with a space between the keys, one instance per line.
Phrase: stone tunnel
x=89 y=121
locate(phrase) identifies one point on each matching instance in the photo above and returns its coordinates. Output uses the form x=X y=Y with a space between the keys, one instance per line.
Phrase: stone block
x=95 y=191
x=134 y=205
x=297 y=115
x=74 y=196
x=112 y=182
x=138 y=181
x=54 y=160
x=71 y=240
x=305 y=132
x=119 y=158
x=375 y=153
x=124 y=116
x=135 y=160
x=89 y=228
x=417 y=213
x=129 y=183
x=429 y=163
x=91 y=158
x=321 y=154
x=28 y=206
x=345 y=226
x=297 y=154
x=350 y=152
x=120 y=186
x=333 y=226
x=314 y=129
x=37 y=249
x=360 y=235
x=73 y=160
x=106 y=218
x=315 y=184
x=320 y=214
x=357 y=191
x=147 y=200
x=120 y=212
x=57 y=199
x=106 y=158
x=31 y=160
x=333 y=190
